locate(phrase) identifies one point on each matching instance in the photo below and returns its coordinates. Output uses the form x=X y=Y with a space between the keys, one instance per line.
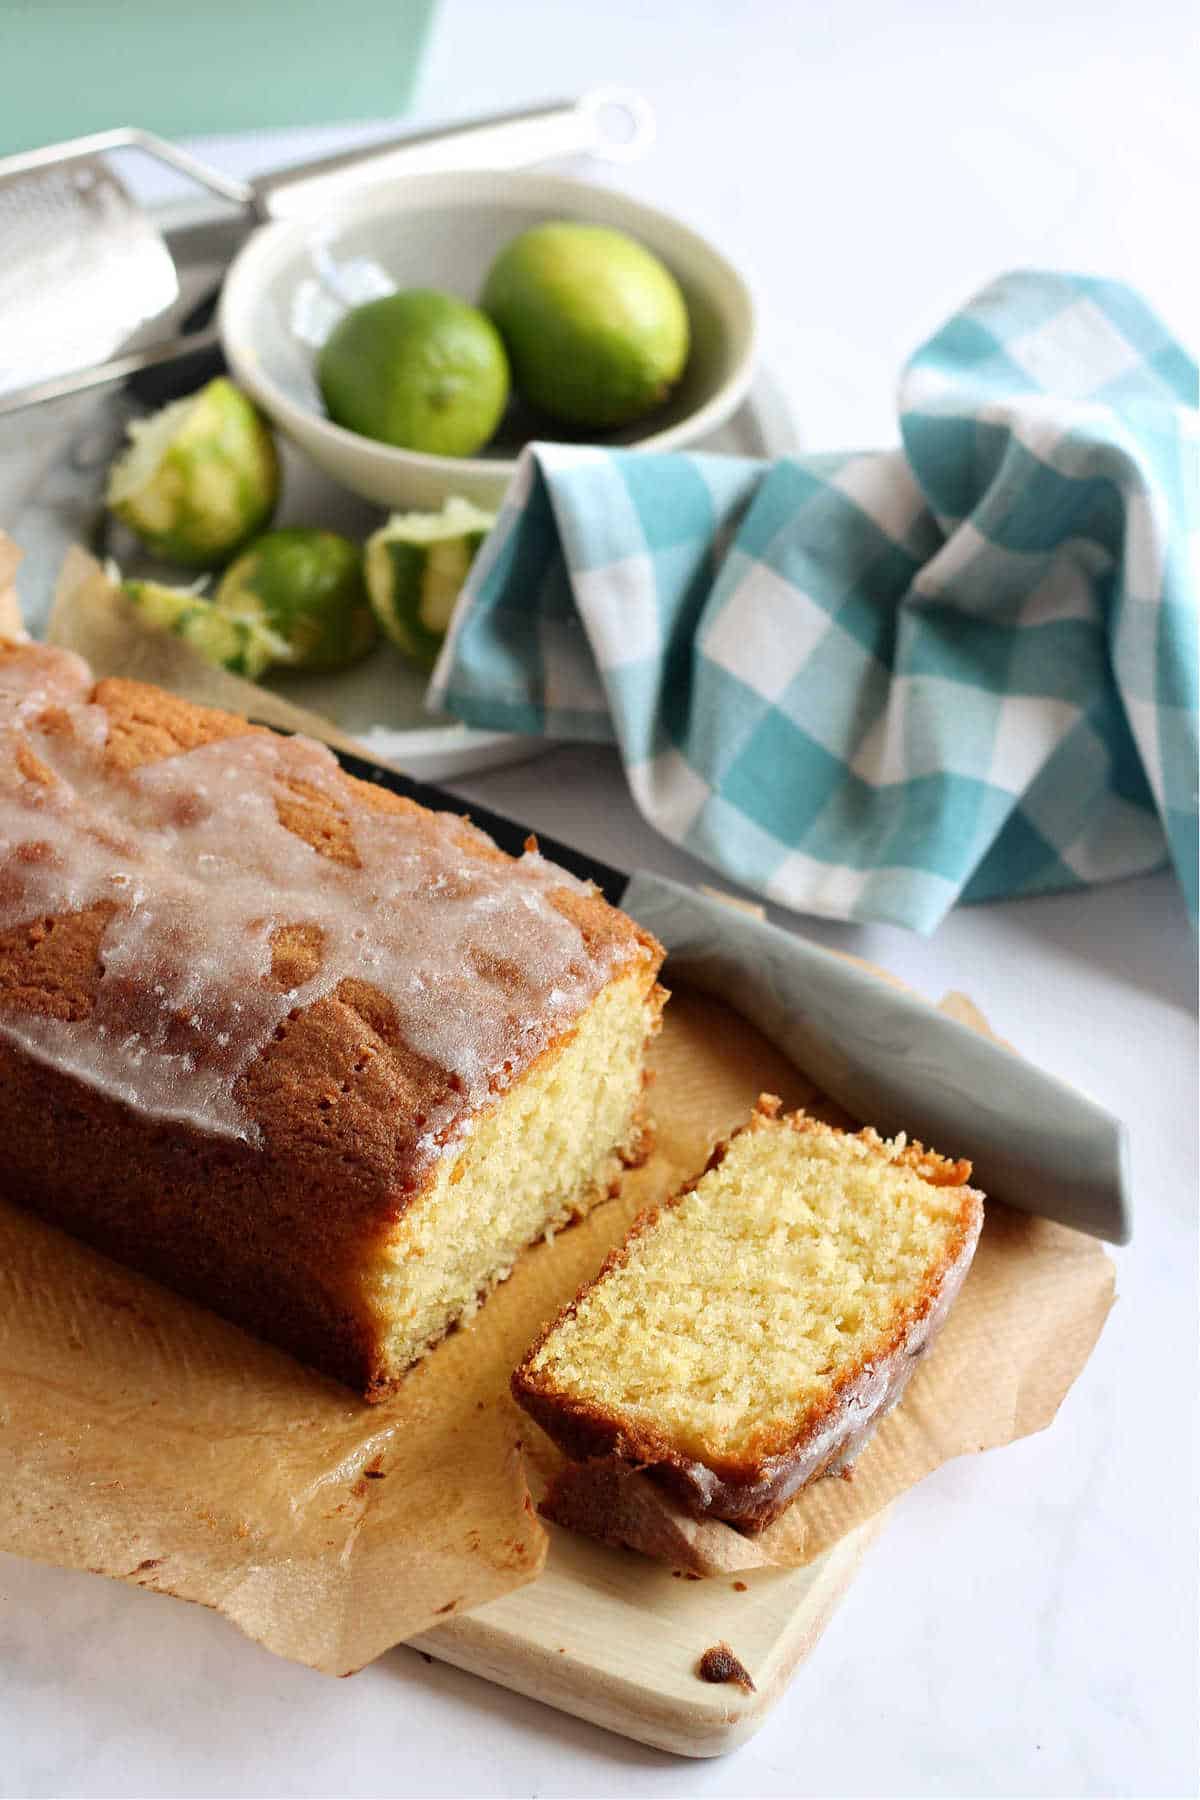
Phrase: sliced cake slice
x=748 y=1336
x=319 y=1058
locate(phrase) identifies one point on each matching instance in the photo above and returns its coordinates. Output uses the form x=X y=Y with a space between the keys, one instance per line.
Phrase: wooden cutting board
x=615 y=1639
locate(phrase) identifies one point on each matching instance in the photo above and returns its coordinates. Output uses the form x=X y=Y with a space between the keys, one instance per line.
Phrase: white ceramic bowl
x=292 y=281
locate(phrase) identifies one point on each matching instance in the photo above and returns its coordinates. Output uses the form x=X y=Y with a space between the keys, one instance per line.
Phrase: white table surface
x=1028 y=1623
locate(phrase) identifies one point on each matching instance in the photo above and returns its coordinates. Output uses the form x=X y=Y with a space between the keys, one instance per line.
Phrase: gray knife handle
x=891 y=1059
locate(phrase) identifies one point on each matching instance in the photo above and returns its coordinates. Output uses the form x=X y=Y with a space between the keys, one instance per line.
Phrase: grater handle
x=614 y=124
x=191 y=355
x=129 y=137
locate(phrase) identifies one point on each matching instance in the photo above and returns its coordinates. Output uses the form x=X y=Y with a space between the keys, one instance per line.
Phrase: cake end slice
x=748 y=1335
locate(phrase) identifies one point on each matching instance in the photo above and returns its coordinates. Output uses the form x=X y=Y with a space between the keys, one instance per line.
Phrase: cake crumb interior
x=542 y=1154
x=740 y=1304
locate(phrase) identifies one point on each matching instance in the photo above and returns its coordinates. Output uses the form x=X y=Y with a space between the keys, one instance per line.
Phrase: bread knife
x=883 y=1053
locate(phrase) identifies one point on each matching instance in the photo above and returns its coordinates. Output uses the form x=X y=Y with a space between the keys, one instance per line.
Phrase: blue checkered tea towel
x=870 y=686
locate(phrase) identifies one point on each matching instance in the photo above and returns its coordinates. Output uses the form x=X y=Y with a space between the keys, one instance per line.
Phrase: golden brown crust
x=620 y=1506
x=274 y=1235
x=753 y=1487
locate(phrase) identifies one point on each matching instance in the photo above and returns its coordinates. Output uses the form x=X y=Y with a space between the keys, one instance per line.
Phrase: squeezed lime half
x=307 y=587
x=416 y=565
x=244 y=646
x=199 y=479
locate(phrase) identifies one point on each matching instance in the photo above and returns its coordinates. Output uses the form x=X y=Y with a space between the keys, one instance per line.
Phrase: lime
x=244 y=646
x=596 y=326
x=421 y=370
x=307 y=587
x=199 y=479
x=416 y=565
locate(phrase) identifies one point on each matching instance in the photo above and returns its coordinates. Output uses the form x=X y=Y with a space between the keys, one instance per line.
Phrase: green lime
x=595 y=326
x=416 y=565
x=420 y=370
x=199 y=479
x=307 y=587
x=244 y=646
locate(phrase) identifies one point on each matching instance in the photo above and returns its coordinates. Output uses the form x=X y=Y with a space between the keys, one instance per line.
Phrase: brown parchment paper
x=143 y=1438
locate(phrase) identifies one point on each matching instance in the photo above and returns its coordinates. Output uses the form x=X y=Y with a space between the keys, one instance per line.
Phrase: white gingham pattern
x=872 y=686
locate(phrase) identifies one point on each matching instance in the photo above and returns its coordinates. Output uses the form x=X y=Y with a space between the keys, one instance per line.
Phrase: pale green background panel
x=180 y=66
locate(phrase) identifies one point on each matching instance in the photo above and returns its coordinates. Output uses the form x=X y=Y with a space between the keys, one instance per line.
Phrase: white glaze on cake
x=201 y=875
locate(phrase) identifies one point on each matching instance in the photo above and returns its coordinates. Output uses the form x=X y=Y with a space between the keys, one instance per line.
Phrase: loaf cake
x=747 y=1337
x=313 y=1055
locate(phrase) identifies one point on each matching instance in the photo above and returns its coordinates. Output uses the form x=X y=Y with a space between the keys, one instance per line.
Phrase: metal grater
x=82 y=267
